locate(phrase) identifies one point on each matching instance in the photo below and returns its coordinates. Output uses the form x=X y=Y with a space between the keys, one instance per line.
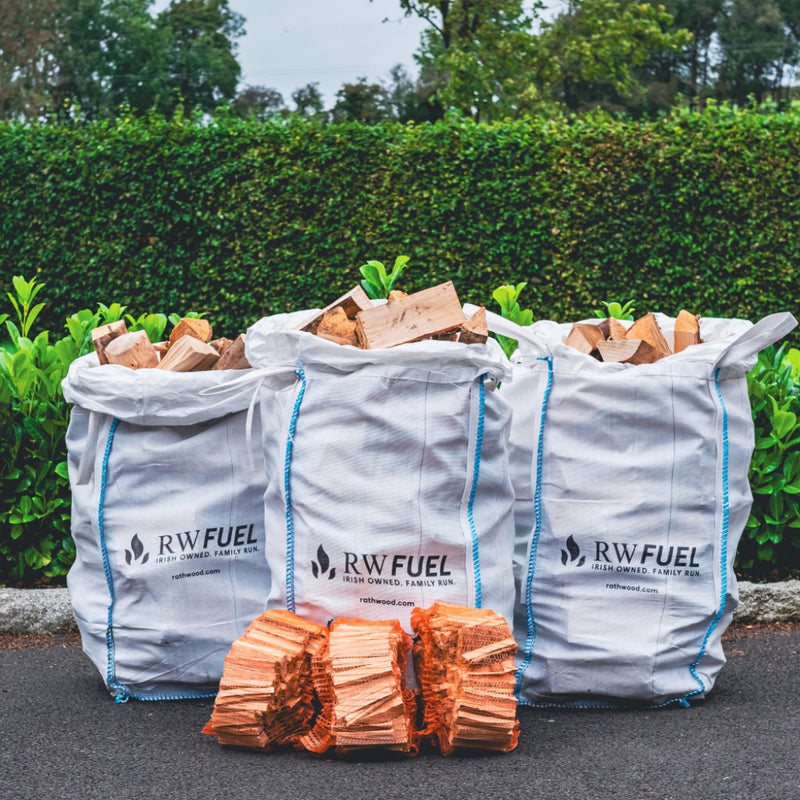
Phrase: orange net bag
x=359 y=676
x=464 y=660
x=265 y=696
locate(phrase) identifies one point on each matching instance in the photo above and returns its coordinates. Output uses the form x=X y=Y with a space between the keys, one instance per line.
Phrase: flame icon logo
x=324 y=563
x=572 y=554
x=136 y=551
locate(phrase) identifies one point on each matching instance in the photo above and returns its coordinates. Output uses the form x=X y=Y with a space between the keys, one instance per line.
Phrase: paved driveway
x=63 y=738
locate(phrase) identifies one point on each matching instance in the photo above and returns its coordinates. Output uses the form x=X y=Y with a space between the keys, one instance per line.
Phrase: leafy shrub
x=241 y=219
x=770 y=545
x=35 y=540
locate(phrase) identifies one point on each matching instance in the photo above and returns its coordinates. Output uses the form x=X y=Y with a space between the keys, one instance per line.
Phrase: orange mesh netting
x=464 y=660
x=358 y=675
x=265 y=695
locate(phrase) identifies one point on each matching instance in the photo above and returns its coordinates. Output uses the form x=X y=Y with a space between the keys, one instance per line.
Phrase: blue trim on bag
x=537 y=525
x=121 y=693
x=723 y=559
x=723 y=550
x=290 y=604
x=476 y=561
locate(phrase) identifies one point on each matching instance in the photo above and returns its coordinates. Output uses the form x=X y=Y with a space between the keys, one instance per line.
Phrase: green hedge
x=241 y=219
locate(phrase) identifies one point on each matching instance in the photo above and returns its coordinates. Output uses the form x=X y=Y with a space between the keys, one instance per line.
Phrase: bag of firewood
x=632 y=492
x=167 y=516
x=387 y=477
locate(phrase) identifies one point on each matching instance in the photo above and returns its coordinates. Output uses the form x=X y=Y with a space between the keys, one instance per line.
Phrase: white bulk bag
x=167 y=517
x=387 y=471
x=632 y=492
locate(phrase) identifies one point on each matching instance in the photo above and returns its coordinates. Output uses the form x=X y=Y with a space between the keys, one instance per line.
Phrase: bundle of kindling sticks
x=290 y=682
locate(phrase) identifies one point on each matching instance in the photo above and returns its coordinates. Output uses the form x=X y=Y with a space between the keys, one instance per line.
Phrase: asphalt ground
x=64 y=738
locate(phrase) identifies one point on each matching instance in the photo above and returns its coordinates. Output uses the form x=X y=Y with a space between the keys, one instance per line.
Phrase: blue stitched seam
x=182 y=696
x=290 y=603
x=121 y=692
x=476 y=560
x=723 y=550
x=537 y=517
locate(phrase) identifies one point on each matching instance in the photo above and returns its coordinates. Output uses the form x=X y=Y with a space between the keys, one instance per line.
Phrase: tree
x=361 y=102
x=493 y=64
x=592 y=54
x=108 y=53
x=201 y=61
x=259 y=101
x=478 y=49
x=756 y=46
x=25 y=61
x=413 y=100
x=308 y=101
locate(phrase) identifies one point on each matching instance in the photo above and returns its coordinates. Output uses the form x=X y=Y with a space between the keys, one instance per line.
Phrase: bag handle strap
x=765 y=332
x=505 y=327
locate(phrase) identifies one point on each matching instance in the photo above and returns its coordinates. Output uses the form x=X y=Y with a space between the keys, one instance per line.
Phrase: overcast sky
x=291 y=43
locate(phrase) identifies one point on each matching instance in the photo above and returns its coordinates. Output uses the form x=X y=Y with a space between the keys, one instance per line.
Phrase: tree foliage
x=90 y=57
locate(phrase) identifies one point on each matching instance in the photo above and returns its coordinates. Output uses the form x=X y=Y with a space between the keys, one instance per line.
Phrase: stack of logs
x=190 y=348
x=642 y=343
x=464 y=660
x=354 y=673
x=433 y=313
x=265 y=697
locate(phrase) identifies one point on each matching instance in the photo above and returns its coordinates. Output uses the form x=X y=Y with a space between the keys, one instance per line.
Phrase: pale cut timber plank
x=421 y=315
x=628 y=351
x=132 y=350
x=352 y=302
x=687 y=330
x=189 y=355
x=104 y=334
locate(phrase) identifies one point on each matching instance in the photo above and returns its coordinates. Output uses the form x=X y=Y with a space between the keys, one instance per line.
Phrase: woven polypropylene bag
x=388 y=482
x=167 y=482
x=632 y=492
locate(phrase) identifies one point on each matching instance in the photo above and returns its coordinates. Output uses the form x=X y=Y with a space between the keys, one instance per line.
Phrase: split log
x=189 y=354
x=687 y=330
x=584 y=337
x=132 y=350
x=221 y=344
x=421 y=315
x=352 y=302
x=337 y=327
x=102 y=335
x=189 y=326
x=648 y=329
x=396 y=294
x=475 y=330
x=616 y=330
x=628 y=351
x=233 y=356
